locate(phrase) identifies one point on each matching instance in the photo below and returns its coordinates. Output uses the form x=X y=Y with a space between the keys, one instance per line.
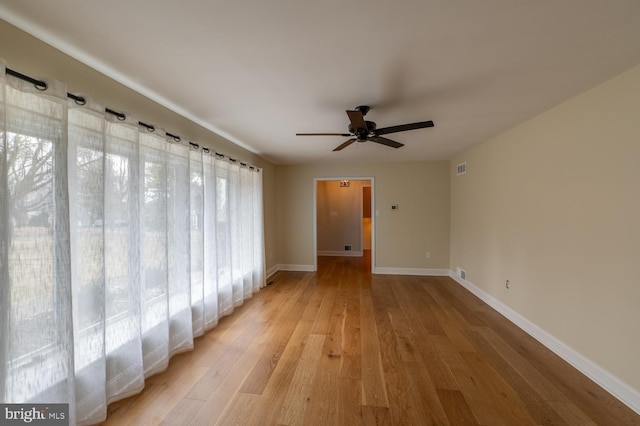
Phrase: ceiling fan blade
x=404 y=127
x=385 y=141
x=357 y=120
x=345 y=144
x=323 y=134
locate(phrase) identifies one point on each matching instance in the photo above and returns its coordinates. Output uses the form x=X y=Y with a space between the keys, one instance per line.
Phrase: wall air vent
x=461 y=273
x=462 y=169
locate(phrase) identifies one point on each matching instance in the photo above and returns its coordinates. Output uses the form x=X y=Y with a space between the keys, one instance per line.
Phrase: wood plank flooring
x=344 y=347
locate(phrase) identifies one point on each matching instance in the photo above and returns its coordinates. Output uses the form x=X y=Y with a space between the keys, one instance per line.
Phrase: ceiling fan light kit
x=361 y=130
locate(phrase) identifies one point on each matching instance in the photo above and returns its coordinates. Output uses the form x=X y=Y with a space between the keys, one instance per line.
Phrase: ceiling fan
x=363 y=131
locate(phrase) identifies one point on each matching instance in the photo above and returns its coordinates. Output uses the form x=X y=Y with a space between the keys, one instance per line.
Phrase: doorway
x=343 y=223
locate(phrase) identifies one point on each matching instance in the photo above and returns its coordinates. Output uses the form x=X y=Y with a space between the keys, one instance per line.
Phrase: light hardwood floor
x=344 y=347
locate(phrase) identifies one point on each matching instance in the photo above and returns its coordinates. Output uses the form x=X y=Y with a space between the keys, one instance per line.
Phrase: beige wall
x=421 y=190
x=339 y=215
x=28 y=55
x=553 y=205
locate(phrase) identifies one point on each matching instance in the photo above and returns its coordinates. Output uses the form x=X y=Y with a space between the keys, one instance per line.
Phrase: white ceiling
x=259 y=71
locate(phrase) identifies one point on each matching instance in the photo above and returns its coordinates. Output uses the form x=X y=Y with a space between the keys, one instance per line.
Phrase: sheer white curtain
x=117 y=248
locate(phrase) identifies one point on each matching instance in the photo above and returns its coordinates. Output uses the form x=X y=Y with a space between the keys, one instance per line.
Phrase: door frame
x=371 y=179
x=361 y=218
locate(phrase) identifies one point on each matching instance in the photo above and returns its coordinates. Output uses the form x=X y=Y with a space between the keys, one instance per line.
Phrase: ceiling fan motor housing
x=363 y=134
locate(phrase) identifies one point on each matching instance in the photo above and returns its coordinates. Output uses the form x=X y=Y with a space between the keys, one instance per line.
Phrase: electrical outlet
x=507 y=284
x=428 y=255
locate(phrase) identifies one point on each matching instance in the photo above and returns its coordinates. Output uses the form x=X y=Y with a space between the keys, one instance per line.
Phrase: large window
x=117 y=247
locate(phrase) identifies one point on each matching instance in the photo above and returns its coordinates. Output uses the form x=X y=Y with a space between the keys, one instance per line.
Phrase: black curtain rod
x=42 y=86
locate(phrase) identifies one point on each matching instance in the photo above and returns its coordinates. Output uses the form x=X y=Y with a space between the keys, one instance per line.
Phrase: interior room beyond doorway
x=343 y=219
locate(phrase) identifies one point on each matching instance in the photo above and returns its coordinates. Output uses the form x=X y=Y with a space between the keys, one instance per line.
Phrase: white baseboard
x=287 y=267
x=272 y=271
x=412 y=271
x=340 y=253
x=612 y=384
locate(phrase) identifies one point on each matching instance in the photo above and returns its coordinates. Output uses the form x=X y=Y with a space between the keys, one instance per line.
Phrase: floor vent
x=462 y=169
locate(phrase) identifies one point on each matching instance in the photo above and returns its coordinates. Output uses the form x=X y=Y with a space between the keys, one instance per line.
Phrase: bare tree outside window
x=29 y=172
